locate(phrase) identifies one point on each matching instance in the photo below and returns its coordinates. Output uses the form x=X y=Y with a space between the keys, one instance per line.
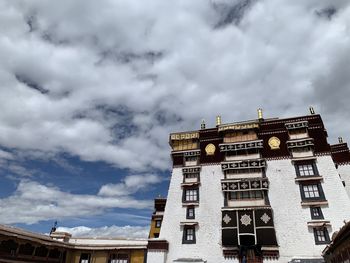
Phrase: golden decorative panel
x=184 y=136
x=241 y=126
x=210 y=149
x=274 y=143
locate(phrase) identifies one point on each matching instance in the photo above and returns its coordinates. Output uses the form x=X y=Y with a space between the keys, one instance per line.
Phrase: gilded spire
x=260 y=114
x=218 y=120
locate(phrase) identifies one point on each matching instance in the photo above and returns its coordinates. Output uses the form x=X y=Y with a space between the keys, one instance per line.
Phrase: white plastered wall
x=344 y=172
x=156 y=256
x=207 y=214
x=294 y=237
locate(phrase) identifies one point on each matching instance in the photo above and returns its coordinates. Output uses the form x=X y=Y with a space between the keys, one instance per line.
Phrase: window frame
x=184 y=195
x=319 y=188
x=313 y=166
x=114 y=258
x=325 y=236
x=189 y=176
x=185 y=235
x=251 y=195
x=88 y=258
x=319 y=210
x=188 y=216
x=158 y=223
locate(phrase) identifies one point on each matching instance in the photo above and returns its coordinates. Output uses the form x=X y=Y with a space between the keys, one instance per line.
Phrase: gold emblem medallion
x=210 y=149
x=274 y=143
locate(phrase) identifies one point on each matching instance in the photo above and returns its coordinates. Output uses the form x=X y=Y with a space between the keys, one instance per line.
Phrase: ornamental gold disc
x=274 y=143
x=210 y=149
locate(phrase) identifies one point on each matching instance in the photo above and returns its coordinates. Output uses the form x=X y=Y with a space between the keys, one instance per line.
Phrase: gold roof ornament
x=312 y=111
x=210 y=149
x=218 y=120
x=260 y=114
x=274 y=143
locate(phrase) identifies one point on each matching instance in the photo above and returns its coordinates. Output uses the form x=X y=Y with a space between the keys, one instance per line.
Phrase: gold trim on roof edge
x=184 y=135
x=241 y=126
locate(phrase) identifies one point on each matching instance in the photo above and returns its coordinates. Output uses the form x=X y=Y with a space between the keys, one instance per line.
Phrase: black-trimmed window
x=191 y=177
x=302 y=149
x=189 y=235
x=321 y=236
x=158 y=223
x=306 y=169
x=258 y=194
x=311 y=191
x=85 y=258
x=190 y=195
x=119 y=258
x=191 y=160
x=316 y=212
x=190 y=214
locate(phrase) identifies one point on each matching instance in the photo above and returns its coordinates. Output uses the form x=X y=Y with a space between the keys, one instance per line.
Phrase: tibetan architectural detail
x=184 y=135
x=296 y=125
x=300 y=143
x=190 y=170
x=273 y=190
x=192 y=153
x=244 y=184
x=245 y=220
x=265 y=218
x=243 y=164
x=241 y=146
x=238 y=126
x=226 y=219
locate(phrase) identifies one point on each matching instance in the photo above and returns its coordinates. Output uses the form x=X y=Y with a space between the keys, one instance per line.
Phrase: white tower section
x=255 y=191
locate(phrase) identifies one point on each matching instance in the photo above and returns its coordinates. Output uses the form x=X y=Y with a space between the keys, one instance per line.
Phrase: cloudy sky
x=90 y=90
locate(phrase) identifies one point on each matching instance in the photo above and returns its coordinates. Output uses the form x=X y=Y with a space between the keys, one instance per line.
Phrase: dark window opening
x=246 y=195
x=119 y=258
x=189 y=235
x=8 y=247
x=321 y=236
x=306 y=169
x=190 y=213
x=54 y=253
x=190 y=195
x=311 y=192
x=247 y=240
x=316 y=212
x=26 y=249
x=85 y=258
x=41 y=251
x=158 y=223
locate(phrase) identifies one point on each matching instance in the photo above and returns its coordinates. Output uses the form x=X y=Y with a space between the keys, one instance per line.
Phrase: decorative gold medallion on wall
x=210 y=149
x=274 y=143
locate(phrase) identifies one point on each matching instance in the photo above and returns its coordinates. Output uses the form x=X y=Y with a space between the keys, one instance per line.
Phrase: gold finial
x=218 y=120
x=340 y=139
x=203 y=125
x=260 y=114
x=311 y=109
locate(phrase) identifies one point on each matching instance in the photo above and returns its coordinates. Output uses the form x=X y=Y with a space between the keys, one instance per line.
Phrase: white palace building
x=265 y=190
